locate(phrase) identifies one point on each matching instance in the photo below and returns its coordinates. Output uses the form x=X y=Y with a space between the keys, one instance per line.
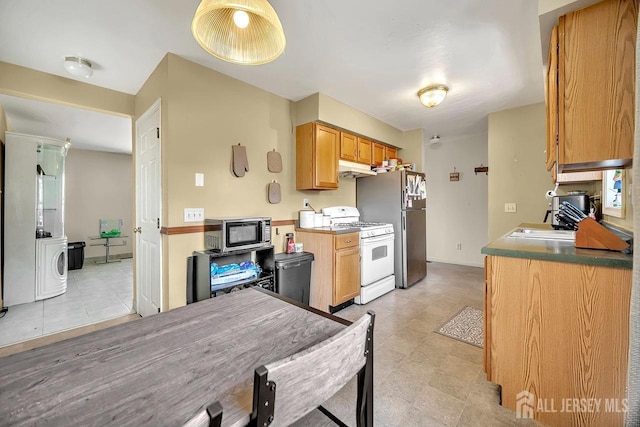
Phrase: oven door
x=377 y=258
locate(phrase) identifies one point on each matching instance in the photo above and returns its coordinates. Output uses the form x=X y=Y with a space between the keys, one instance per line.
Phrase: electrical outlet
x=510 y=207
x=458 y=246
x=305 y=203
x=193 y=214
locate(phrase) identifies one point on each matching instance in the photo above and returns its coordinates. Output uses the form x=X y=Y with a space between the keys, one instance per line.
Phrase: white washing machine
x=51 y=270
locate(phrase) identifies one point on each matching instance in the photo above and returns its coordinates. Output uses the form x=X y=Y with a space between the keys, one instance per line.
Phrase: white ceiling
x=373 y=55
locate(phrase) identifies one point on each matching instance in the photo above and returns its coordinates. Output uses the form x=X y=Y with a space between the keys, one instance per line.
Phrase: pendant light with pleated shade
x=240 y=31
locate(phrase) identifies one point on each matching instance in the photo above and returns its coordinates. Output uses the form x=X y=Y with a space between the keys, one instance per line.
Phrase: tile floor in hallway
x=422 y=378
x=94 y=293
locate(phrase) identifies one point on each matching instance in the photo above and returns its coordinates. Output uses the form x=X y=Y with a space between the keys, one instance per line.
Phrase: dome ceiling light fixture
x=77 y=66
x=246 y=32
x=431 y=96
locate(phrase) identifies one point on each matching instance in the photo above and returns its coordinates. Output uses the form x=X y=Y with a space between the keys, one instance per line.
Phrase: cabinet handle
x=347 y=241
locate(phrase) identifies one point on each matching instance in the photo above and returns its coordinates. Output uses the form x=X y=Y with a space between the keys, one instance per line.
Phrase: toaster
x=580 y=201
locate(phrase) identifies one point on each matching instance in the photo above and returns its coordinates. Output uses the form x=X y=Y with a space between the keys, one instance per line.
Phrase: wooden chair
x=286 y=390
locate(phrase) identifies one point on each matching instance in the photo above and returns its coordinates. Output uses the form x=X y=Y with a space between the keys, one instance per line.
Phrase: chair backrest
x=301 y=382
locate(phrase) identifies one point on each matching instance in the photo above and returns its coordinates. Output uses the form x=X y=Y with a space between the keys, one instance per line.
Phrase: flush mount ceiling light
x=431 y=96
x=244 y=32
x=79 y=67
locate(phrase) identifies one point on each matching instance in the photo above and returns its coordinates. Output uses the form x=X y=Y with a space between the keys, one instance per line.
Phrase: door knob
x=137 y=230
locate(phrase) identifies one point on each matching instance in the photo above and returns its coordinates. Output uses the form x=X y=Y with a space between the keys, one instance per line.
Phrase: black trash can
x=75 y=255
x=293 y=275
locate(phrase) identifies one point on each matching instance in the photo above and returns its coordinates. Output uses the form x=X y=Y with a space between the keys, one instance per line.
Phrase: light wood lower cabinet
x=335 y=272
x=559 y=331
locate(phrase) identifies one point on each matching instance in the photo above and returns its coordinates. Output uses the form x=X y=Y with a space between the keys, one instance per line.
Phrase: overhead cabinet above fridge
x=35 y=244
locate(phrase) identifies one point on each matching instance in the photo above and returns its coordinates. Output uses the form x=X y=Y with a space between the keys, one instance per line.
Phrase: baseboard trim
x=449 y=261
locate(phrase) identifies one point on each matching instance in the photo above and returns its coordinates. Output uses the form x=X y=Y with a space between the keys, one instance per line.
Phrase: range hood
x=353 y=170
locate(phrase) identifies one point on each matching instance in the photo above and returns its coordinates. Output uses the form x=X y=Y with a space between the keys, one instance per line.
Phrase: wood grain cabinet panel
x=559 y=331
x=317 y=157
x=552 y=100
x=377 y=153
x=596 y=86
x=390 y=152
x=348 y=147
x=335 y=272
x=347 y=275
x=364 y=151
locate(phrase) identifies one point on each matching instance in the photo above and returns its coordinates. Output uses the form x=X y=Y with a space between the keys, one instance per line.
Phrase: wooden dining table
x=163 y=369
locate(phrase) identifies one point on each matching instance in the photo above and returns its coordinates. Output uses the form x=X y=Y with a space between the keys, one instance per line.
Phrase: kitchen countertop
x=329 y=230
x=552 y=250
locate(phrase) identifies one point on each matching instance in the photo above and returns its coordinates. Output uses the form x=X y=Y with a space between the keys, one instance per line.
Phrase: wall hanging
x=274 y=161
x=454 y=176
x=273 y=192
x=481 y=169
x=240 y=162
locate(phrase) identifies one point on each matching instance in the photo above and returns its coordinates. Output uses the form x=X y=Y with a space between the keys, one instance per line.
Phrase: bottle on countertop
x=290 y=243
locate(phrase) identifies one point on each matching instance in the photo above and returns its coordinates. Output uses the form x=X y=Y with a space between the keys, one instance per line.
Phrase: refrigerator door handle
x=404 y=222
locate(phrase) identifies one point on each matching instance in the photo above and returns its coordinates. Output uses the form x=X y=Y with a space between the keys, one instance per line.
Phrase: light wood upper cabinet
x=348 y=147
x=377 y=153
x=317 y=157
x=390 y=152
x=552 y=100
x=596 y=86
x=364 y=151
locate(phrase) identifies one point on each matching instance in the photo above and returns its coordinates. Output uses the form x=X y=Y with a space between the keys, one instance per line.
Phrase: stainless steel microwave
x=233 y=234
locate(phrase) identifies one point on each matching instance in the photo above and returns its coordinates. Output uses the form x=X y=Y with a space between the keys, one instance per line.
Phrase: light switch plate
x=193 y=214
x=199 y=180
x=510 y=207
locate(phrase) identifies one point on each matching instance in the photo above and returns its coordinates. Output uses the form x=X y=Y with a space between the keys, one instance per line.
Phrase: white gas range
x=376 y=251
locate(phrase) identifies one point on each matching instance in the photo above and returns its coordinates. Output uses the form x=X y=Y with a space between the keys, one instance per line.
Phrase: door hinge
x=158 y=133
x=158 y=223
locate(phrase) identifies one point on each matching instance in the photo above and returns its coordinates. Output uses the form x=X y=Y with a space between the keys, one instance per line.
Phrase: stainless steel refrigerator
x=399 y=198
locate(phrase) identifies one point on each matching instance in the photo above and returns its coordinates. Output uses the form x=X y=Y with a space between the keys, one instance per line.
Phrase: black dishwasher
x=293 y=275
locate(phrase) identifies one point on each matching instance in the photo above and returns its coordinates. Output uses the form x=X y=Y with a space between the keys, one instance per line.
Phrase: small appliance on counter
x=578 y=199
x=232 y=234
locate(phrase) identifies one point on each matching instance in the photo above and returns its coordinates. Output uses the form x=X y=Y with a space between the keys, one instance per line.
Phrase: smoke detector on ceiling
x=435 y=139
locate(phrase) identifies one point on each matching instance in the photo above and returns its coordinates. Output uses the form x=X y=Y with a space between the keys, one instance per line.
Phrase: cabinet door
x=390 y=152
x=596 y=79
x=348 y=147
x=347 y=275
x=377 y=153
x=552 y=100
x=364 y=151
x=326 y=157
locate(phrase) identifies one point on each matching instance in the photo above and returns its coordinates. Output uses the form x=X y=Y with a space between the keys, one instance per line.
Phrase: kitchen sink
x=541 y=234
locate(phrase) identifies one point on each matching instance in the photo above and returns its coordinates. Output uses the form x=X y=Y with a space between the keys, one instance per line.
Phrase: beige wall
x=98 y=186
x=204 y=114
x=28 y=83
x=517 y=174
x=457 y=210
x=326 y=109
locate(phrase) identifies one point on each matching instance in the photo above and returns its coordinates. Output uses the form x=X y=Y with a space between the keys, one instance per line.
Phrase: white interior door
x=148 y=209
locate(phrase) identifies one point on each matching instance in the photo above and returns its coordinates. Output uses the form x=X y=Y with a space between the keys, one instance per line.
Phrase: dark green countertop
x=558 y=251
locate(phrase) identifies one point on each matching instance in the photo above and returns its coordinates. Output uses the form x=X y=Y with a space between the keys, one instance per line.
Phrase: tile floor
x=422 y=378
x=94 y=293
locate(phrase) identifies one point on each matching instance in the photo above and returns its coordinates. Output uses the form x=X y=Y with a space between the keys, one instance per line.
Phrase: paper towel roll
x=307 y=219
